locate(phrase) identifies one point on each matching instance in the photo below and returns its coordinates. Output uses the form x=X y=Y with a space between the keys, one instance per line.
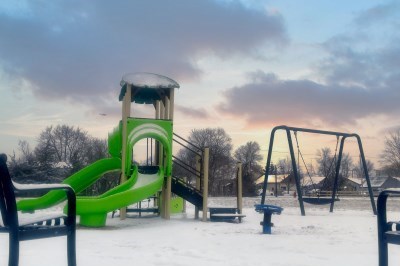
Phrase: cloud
x=377 y=14
x=358 y=78
x=80 y=49
x=272 y=101
x=197 y=113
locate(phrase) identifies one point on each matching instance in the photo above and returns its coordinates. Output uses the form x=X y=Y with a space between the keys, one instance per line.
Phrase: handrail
x=189 y=168
x=193 y=151
x=198 y=148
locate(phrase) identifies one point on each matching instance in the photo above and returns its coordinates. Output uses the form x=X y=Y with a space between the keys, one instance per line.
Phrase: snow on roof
x=315 y=179
x=148 y=87
x=377 y=181
x=355 y=180
x=148 y=80
x=271 y=179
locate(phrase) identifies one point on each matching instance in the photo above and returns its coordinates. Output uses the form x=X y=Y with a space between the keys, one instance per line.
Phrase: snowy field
x=346 y=237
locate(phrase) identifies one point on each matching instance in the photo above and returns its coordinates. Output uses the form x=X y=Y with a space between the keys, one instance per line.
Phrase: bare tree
x=220 y=162
x=250 y=157
x=346 y=165
x=358 y=170
x=64 y=144
x=61 y=151
x=327 y=167
x=391 y=153
x=284 y=166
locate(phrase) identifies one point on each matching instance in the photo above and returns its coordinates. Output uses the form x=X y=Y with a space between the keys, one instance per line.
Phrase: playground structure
x=343 y=137
x=137 y=182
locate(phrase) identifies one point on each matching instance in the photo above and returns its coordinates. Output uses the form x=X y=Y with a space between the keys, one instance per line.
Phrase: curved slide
x=93 y=210
x=78 y=181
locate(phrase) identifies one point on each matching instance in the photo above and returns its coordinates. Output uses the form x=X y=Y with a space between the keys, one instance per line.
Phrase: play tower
x=139 y=182
x=148 y=88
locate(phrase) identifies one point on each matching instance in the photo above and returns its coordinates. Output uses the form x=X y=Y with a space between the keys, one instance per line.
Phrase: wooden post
x=198 y=183
x=171 y=103
x=168 y=114
x=205 y=183
x=239 y=189
x=184 y=201
x=126 y=113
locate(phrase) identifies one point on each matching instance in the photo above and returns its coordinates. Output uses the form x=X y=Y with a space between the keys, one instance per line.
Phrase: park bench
x=19 y=229
x=388 y=232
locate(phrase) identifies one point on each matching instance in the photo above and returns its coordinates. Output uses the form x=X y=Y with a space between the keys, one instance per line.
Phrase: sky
x=246 y=66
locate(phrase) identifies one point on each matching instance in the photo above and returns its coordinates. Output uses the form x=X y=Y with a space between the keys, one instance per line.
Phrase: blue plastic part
x=268 y=210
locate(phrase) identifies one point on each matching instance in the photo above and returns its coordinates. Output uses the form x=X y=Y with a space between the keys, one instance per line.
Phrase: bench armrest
x=43 y=188
x=383 y=225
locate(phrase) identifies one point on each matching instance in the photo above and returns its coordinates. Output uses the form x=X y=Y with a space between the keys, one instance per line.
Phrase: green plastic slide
x=93 y=210
x=78 y=181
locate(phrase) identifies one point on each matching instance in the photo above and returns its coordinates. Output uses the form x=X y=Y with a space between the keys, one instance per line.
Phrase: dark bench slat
x=392 y=237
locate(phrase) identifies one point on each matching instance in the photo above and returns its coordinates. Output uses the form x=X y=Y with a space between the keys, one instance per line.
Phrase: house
x=281 y=183
x=352 y=184
x=312 y=183
x=379 y=183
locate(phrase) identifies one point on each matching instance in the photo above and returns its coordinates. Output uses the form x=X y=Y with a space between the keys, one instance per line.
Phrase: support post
x=166 y=190
x=371 y=195
x=271 y=145
x=295 y=173
x=198 y=182
x=239 y=189
x=171 y=103
x=337 y=169
x=205 y=183
x=126 y=112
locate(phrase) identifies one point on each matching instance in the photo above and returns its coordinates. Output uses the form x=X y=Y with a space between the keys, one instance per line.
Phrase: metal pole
x=271 y=145
x=276 y=185
x=336 y=181
x=371 y=195
x=295 y=173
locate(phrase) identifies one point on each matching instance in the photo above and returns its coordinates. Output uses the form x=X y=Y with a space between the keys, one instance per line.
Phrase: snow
x=37 y=186
x=348 y=236
x=148 y=80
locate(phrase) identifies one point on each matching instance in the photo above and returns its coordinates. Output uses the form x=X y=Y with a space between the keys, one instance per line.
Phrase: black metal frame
x=35 y=229
x=388 y=232
x=294 y=165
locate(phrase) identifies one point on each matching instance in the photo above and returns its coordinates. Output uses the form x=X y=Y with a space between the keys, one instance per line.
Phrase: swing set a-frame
x=339 y=135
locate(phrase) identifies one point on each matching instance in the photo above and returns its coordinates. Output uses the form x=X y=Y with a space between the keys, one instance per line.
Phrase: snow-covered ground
x=346 y=237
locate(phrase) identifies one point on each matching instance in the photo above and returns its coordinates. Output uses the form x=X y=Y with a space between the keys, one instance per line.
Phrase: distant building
x=379 y=183
x=282 y=183
x=352 y=184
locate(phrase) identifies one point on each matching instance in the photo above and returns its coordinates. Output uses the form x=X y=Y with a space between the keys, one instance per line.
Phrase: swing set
x=318 y=199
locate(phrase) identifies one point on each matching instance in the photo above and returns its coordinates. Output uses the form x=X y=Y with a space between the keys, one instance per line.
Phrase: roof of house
x=355 y=180
x=271 y=179
x=376 y=181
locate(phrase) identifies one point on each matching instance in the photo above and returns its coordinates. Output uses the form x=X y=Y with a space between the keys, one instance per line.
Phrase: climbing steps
x=187 y=192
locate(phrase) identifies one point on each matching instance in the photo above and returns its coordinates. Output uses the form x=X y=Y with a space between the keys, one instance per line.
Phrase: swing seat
x=317 y=200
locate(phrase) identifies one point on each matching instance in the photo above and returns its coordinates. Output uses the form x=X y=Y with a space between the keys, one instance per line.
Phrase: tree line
x=60 y=151
x=63 y=150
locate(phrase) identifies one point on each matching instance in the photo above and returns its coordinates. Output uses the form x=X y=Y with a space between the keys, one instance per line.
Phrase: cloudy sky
x=246 y=66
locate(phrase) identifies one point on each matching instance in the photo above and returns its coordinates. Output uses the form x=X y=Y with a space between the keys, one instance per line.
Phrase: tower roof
x=146 y=87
